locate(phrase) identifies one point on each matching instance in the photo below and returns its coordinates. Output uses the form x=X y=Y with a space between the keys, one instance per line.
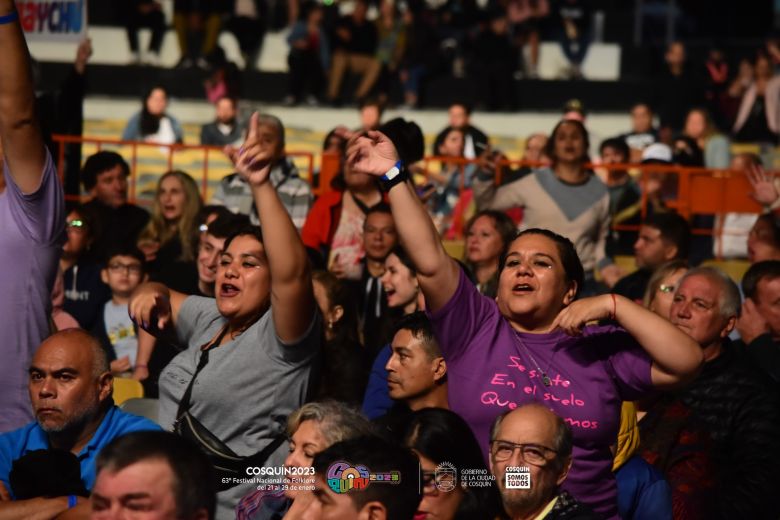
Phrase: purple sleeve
x=460 y=320
x=630 y=366
x=40 y=215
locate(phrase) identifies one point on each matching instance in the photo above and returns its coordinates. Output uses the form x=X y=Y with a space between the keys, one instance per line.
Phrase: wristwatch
x=395 y=175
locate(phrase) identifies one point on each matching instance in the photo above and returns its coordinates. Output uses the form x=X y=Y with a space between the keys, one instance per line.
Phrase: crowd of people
x=328 y=358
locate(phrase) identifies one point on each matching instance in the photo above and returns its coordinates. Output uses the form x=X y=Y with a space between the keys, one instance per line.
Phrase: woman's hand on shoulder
x=573 y=318
x=253 y=159
x=151 y=301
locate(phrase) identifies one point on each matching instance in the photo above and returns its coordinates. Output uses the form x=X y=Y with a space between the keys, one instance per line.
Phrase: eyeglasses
x=128 y=268
x=666 y=288
x=532 y=453
x=76 y=224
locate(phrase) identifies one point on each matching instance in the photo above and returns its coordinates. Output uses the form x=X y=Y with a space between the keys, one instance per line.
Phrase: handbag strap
x=184 y=404
x=259 y=458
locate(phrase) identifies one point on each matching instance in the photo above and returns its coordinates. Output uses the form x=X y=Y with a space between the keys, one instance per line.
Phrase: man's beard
x=522 y=501
x=78 y=420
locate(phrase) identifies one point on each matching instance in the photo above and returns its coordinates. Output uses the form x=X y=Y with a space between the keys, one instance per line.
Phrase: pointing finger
x=253 y=126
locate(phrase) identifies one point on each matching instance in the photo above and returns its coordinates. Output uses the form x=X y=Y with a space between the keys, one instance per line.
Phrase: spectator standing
x=535 y=309
x=32 y=223
x=419 y=54
x=526 y=17
x=495 y=61
x=354 y=50
x=624 y=197
x=197 y=24
x=153 y=124
x=391 y=44
x=677 y=91
x=225 y=129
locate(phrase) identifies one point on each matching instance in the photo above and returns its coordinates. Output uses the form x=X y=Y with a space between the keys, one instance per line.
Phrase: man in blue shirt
x=70 y=388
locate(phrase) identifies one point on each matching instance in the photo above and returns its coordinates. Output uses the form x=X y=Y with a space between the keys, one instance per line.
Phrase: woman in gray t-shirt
x=265 y=317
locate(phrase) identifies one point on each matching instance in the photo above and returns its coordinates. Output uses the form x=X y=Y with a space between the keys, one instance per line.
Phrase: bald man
x=70 y=387
x=532 y=441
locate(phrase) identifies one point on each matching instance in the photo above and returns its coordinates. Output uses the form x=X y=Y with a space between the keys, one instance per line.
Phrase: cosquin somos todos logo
x=344 y=477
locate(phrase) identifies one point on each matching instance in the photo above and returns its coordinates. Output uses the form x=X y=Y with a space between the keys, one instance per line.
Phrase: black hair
x=443 y=436
x=549 y=148
x=616 y=143
x=572 y=266
x=224 y=225
x=774 y=222
x=467 y=107
x=212 y=209
x=98 y=163
x=90 y=220
x=378 y=456
x=674 y=229
x=380 y=207
x=421 y=328
x=769 y=269
x=329 y=136
x=126 y=250
x=340 y=293
x=372 y=102
x=193 y=475
x=407 y=137
x=642 y=104
x=400 y=252
x=150 y=123
x=250 y=230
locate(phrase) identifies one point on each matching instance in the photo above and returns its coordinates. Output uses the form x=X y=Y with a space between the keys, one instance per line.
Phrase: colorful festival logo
x=344 y=477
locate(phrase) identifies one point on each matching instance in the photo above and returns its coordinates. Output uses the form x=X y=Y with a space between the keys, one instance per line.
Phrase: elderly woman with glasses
x=534 y=342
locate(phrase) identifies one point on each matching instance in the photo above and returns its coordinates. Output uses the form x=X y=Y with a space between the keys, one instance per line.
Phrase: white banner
x=53 y=20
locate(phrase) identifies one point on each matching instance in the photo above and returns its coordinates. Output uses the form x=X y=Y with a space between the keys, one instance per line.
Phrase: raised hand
x=764 y=190
x=371 y=152
x=574 y=317
x=253 y=159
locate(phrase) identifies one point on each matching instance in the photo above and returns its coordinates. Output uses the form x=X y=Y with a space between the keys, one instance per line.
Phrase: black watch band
x=395 y=175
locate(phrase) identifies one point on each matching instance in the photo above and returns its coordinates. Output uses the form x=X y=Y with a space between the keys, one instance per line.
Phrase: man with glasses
x=530 y=456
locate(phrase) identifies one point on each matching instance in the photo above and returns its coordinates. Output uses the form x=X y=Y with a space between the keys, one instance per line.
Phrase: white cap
x=657 y=152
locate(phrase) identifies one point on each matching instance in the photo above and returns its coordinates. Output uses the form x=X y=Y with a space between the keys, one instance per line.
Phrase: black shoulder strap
x=184 y=404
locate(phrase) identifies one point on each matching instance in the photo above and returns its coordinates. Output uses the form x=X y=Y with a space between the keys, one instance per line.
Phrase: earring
x=330 y=324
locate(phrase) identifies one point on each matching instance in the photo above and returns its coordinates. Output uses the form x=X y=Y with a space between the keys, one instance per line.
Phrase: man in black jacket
x=716 y=440
x=759 y=324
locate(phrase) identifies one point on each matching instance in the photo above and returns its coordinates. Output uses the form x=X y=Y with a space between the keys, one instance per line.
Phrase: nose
x=47 y=388
x=292 y=460
x=390 y=365
x=683 y=309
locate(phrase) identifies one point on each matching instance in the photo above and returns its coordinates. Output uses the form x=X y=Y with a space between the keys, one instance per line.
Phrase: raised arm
x=676 y=356
x=20 y=132
x=292 y=296
x=438 y=274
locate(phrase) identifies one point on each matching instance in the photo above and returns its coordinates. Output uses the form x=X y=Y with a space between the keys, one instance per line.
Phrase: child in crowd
x=123 y=272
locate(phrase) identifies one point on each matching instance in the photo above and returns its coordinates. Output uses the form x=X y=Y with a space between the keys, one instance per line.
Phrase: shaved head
x=70 y=383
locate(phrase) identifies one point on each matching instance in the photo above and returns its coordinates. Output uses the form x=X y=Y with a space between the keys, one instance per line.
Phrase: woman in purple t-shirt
x=532 y=342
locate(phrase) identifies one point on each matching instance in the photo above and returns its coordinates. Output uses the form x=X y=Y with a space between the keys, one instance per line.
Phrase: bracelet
x=9 y=18
x=395 y=175
x=613 y=316
x=72 y=501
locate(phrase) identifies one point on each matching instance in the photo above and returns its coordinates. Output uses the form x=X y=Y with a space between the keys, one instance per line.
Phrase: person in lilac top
x=532 y=343
x=32 y=224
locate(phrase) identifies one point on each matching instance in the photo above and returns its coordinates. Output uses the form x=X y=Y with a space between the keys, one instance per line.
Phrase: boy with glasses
x=123 y=273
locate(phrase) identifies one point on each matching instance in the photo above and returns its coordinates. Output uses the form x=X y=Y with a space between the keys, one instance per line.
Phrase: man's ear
x=564 y=471
x=670 y=252
x=730 y=324
x=106 y=385
x=373 y=510
x=439 y=369
x=104 y=275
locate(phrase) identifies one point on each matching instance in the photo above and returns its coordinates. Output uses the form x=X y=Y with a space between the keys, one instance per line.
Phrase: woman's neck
x=532 y=323
x=484 y=271
x=573 y=173
x=411 y=307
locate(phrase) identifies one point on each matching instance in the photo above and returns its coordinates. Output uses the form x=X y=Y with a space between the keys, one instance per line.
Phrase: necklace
x=545 y=378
